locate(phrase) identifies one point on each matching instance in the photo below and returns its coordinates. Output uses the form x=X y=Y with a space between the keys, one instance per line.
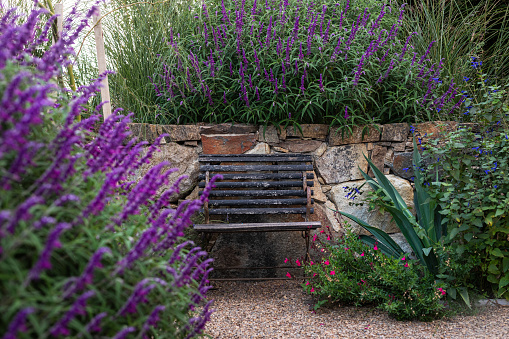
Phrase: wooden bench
x=255 y=184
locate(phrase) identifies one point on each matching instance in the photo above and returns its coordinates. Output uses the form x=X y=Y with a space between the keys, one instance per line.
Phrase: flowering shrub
x=84 y=252
x=351 y=272
x=473 y=193
x=298 y=61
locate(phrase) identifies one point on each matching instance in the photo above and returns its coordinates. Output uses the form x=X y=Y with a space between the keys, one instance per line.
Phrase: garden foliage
x=84 y=252
x=352 y=272
x=298 y=61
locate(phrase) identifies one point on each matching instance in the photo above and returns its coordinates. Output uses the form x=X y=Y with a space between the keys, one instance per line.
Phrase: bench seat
x=258 y=227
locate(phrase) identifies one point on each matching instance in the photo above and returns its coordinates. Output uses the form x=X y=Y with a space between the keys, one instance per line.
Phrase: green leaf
x=504 y=281
x=426 y=251
x=505 y=264
x=493 y=269
x=497 y=252
x=452 y=292
x=464 y=294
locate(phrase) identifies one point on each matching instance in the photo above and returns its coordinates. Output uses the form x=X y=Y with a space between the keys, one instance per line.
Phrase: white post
x=59 y=10
x=101 y=63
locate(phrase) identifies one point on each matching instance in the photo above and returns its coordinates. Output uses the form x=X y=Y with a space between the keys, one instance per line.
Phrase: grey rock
x=184 y=158
x=374 y=217
x=341 y=163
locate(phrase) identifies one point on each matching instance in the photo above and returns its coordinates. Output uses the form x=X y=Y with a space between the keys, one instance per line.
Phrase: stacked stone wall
x=337 y=157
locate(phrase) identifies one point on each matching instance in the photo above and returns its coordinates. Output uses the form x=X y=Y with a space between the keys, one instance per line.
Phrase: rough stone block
x=228 y=129
x=395 y=132
x=185 y=158
x=374 y=217
x=314 y=131
x=341 y=163
x=371 y=134
x=434 y=129
x=378 y=158
x=402 y=165
x=227 y=143
x=261 y=148
x=181 y=132
x=318 y=195
x=268 y=134
x=398 y=146
x=300 y=146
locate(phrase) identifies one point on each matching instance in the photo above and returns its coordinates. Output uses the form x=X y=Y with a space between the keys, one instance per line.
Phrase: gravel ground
x=279 y=309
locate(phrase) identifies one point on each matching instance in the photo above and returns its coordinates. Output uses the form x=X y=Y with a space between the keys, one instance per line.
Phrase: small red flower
x=362 y=254
x=406 y=265
x=297 y=262
x=312 y=289
x=332 y=272
x=326 y=262
x=288 y=274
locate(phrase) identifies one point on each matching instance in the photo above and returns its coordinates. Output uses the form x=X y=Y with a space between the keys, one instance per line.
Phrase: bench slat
x=260 y=193
x=284 y=210
x=256 y=184
x=262 y=227
x=242 y=168
x=260 y=176
x=255 y=202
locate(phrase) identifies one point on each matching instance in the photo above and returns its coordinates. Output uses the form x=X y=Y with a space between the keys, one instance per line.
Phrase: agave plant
x=421 y=231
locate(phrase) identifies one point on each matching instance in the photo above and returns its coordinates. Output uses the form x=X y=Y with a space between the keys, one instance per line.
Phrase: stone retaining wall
x=337 y=157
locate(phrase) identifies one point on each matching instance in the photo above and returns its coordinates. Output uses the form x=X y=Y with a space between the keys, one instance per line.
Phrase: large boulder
x=374 y=217
x=184 y=158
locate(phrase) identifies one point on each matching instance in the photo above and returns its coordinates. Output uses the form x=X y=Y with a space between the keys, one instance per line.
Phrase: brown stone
x=342 y=163
x=314 y=131
x=384 y=143
x=268 y=134
x=153 y=132
x=378 y=158
x=398 y=146
x=227 y=143
x=370 y=146
x=402 y=165
x=434 y=129
x=280 y=149
x=138 y=131
x=282 y=133
x=193 y=143
x=371 y=134
x=395 y=132
x=387 y=170
x=300 y=146
x=181 y=132
x=228 y=129
x=318 y=195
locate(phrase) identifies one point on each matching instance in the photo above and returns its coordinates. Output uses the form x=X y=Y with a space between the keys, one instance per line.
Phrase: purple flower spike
x=18 y=324
x=123 y=333
x=44 y=259
x=78 y=308
x=346 y=113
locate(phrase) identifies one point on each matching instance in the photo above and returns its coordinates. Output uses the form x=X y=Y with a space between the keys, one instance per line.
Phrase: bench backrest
x=258 y=184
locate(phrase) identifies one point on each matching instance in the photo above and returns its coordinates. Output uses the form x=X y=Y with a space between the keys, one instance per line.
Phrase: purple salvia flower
x=284 y=83
x=224 y=98
x=78 y=308
x=301 y=56
x=405 y=47
x=346 y=113
x=23 y=212
x=231 y=69
x=413 y=59
x=18 y=324
x=302 y=88
x=124 y=332
x=95 y=324
x=87 y=276
x=153 y=318
x=139 y=295
x=391 y=66
x=249 y=80
x=426 y=53
x=257 y=94
x=44 y=261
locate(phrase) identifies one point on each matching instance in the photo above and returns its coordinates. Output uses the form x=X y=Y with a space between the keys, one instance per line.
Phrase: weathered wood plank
x=258 y=227
x=260 y=176
x=243 y=168
x=257 y=202
x=257 y=193
x=257 y=184
x=250 y=211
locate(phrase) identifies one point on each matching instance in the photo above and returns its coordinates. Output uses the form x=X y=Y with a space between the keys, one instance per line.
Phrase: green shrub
x=297 y=61
x=473 y=164
x=352 y=272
